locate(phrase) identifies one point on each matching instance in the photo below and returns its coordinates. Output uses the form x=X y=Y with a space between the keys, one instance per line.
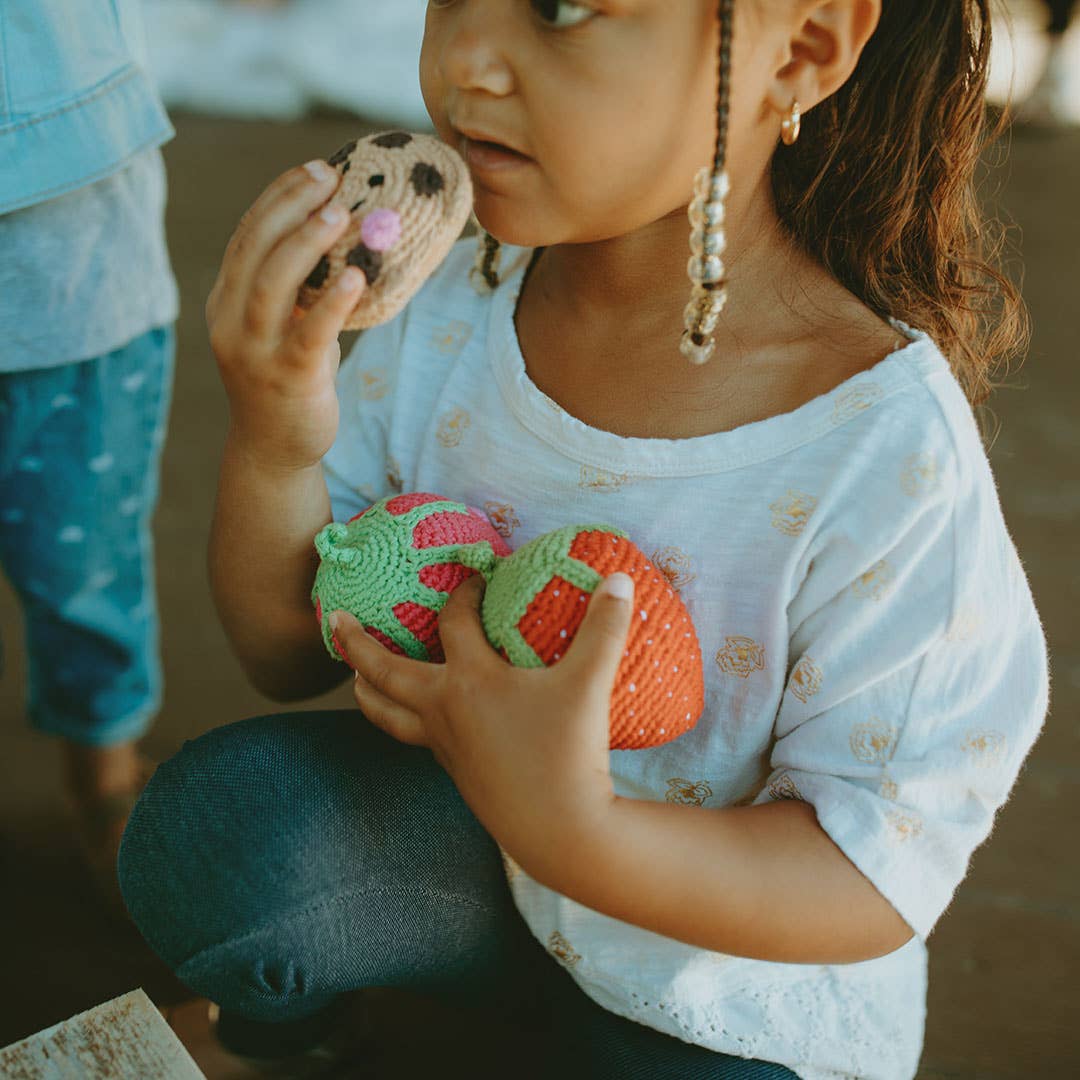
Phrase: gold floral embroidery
x=783 y=787
x=875 y=582
x=675 y=565
x=873 y=742
x=599 y=480
x=853 y=401
x=986 y=748
x=373 y=383
x=919 y=475
x=561 y=949
x=451 y=338
x=687 y=792
x=905 y=824
x=889 y=789
x=452 y=427
x=393 y=472
x=503 y=517
x=792 y=511
x=741 y=656
x=805 y=679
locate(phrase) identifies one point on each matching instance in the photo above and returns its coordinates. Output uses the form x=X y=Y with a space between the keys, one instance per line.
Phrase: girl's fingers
x=397 y=721
x=311 y=338
x=282 y=208
x=460 y=629
x=598 y=646
x=285 y=269
x=403 y=681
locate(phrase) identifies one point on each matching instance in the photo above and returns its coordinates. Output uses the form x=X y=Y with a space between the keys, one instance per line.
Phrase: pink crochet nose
x=381 y=229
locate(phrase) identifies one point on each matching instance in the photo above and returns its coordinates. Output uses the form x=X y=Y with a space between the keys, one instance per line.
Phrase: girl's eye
x=561 y=14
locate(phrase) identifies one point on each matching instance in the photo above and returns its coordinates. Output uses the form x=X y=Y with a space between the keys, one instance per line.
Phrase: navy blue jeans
x=277 y=863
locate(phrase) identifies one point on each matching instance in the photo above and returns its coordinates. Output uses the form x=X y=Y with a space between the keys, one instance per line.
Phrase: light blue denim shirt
x=84 y=267
x=76 y=101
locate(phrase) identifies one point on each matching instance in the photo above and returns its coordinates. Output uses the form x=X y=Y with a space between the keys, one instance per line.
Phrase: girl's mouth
x=486 y=157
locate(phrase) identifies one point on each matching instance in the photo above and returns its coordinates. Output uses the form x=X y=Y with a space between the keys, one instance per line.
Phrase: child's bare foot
x=103 y=784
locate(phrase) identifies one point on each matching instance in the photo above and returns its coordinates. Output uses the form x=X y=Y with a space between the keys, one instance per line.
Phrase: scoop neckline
x=717 y=451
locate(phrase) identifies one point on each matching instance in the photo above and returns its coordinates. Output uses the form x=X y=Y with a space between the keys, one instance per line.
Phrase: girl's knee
x=208 y=843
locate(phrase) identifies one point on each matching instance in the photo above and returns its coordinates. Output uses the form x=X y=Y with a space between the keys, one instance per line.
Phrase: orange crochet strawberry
x=395 y=565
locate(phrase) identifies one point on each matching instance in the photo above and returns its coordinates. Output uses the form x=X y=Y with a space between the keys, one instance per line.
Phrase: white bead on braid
x=707 y=240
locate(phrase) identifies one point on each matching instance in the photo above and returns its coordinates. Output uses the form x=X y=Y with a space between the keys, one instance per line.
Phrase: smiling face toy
x=409 y=197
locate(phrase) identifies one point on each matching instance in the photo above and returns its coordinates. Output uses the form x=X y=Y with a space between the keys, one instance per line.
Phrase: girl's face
x=602 y=111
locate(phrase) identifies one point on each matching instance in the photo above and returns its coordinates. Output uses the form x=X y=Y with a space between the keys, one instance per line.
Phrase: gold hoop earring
x=791 y=125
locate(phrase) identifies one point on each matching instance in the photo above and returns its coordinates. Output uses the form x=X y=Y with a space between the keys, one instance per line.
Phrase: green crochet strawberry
x=395 y=565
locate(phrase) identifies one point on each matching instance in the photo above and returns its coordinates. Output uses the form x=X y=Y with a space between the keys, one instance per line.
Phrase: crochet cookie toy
x=394 y=566
x=409 y=197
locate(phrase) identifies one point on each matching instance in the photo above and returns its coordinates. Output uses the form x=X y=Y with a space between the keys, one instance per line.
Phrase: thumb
x=600 y=641
x=460 y=628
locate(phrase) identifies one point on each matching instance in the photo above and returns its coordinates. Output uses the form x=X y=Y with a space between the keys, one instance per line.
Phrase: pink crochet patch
x=383 y=640
x=450 y=527
x=402 y=504
x=445 y=577
x=381 y=229
x=424 y=624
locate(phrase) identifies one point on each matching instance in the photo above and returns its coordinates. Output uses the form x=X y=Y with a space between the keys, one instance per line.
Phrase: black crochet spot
x=370 y=262
x=392 y=140
x=317 y=276
x=376 y=181
x=426 y=179
x=338 y=156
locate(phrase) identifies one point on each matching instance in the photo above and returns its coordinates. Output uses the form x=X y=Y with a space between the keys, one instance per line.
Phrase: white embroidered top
x=870 y=639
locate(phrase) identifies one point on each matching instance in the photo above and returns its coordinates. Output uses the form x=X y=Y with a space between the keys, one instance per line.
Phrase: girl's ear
x=822 y=51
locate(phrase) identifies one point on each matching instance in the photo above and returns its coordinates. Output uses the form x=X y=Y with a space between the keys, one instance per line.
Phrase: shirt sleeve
x=359 y=469
x=918 y=681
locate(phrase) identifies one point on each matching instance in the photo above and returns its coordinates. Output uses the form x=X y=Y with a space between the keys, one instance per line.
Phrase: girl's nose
x=474 y=55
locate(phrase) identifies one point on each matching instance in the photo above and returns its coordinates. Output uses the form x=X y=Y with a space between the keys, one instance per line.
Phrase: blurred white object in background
x=1037 y=76
x=279 y=60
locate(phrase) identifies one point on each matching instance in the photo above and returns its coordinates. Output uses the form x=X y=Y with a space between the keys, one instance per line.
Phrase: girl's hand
x=278 y=366
x=527 y=748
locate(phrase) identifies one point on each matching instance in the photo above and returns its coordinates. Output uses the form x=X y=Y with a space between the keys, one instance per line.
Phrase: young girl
x=752 y=899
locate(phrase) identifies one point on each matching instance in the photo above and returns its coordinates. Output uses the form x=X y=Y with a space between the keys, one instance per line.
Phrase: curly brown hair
x=882 y=187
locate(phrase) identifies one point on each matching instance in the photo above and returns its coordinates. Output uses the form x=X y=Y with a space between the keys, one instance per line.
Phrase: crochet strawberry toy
x=395 y=565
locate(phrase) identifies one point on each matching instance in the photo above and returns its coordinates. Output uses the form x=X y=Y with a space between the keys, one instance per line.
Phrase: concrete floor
x=1004 y=998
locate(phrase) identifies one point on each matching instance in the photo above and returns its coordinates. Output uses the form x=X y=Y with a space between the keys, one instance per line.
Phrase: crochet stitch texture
x=395 y=565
